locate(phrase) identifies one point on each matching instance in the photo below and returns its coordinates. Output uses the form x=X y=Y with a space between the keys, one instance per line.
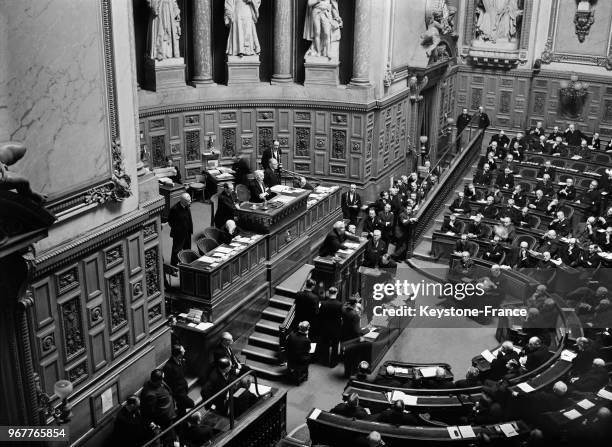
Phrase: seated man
x=592 y=199
x=534 y=354
x=451 y=225
x=475 y=229
x=519 y=196
x=460 y=205
x=470 y=192
x=389 y=379
x=489 y=210
x=523 y=219
x=374 y=250
x=230 y=231
x=567 y=192
x=549 y=243
x=504 y=355
x=259 y=191
x=523 y=260
x=463 y=271
x=505 y=231
x=461 y=244
x=396 y=415
x=543 y=401
x=484 y=176
x=547 y=168
x=583 y=361
x=546 y=186
x=592 y=380
x=570 y=254
x=195 y=433
x=560 y=224
x=472 y=379
x=351 y=408
x=505 y=180
x=438 y=382
x=496 y=251
x=305 y=185
x=539 y=203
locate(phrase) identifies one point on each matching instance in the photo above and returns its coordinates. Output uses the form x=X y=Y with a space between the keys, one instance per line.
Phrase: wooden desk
x=341 y=272
x=266 y=217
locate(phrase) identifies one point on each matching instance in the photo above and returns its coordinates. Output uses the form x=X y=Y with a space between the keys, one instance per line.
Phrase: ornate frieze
x=155 y=312
x=228 y=142
x=302 y=142
x=116 y=296
x=95 y=315
x=265 y=139
x=192 y=120
x=192 y=145
x=78 y=373
x=152 y=271
x=74 y=342
x=338 y=144
x=67 y=280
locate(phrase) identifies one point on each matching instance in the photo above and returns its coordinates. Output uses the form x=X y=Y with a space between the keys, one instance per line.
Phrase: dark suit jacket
x=498 y=365
x=130 y=428
x=227 y=237
x=270 y=178
x=489 y=211
x=567 y=192
x=591 y=381
x=477 y=229
x=347 y=203
x=572 y=258
x=502 y=140
x=330 y=319
x=242 y=171
x=332 y=243
x=345 y=410
x=386 y=221
x=306 y=306
x=181 y=224
x=483 y=178
x=541 y=204
x=157 y=404
x=256 y=190
x=373 y=253
x=220 y=351
x=573 y=138
x=548 y=189
x=561 y=227
x=389 y=416
x=446 y=227
x=369 y=225
x=351 y=329
x=537 y=358
x=462 y=121
x=267 y=155
x=494 y=254
x=552 y=171
x=298 y=351
x=174 y=376
x=215 y=383
x=225 y=208
x=483 y=120
x=505 y=181
x=463 y=204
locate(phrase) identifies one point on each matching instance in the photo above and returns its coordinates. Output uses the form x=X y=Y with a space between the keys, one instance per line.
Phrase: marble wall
x=5 y=117
x=596 y=42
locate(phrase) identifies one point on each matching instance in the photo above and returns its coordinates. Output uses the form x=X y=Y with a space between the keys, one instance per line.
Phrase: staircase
x=264 y=344
x=422 y=250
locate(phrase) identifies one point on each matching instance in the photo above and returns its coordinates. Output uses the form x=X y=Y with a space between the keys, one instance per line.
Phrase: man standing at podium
x=181 y=226
x=335 y=240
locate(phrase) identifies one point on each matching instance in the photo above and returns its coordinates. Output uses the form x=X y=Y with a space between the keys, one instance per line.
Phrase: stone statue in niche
x=164 y=30
x=10 y=153
x=322 y=27
x=241 y=16
x=498 y=22
x=439 y=14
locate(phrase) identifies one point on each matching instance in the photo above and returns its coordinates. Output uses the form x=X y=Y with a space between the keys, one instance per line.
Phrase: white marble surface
x=56 y=93
x=5 y=117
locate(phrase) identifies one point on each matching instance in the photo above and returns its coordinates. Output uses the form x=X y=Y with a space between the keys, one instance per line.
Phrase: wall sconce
x=389 y=76
x=448 y=129
x=572 y=95
x=63 y=413
x=415 y=88
x=584 y=18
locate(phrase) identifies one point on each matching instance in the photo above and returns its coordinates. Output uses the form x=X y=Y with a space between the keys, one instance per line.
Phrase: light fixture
x=62 y=414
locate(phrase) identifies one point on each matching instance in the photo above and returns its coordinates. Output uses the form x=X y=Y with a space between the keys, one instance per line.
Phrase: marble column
x=282 y=42
x=361 y=44
x=202 y=55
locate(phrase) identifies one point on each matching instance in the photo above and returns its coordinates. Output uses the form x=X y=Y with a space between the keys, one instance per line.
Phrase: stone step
x=264 y=340
x=260 y=354
x=274 y=314
x=281 y=302
x=267 y=327
x=265 y=370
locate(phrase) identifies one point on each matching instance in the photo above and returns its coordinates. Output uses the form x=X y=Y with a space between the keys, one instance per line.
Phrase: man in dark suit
x=461 y=204
x=181 y=226
x=271 y=174
x=489 y=210
x=229 y=231
x=218 y=378
x=560 y=224
x=536 y=353
x=130 y=427
x=274 y=153
x=484 y=176
x=548 y=242
x=462 y=121
x=226 y=205
x=592 y=199
x=505 y=180
x=557 y=147
x=461 y=244
x=568 y=192
x=573 y=136
x=242 y=170
x=570 y=254
x=259 y=191
x=583 y=361
x=389 y=379
x=605 y=240
x=501 y=139
x=351 y=329
x=504 y=355
x=351 y=204
x=157 y=404
x=475 y=229
x=546 y=186
x=350 y=408
x=540 y=146
x=374 y=250
x=386 y=220
x=555 y=133
x=539 y=203
x=519 y=196
x=307 y=304
x=335 y=240
x=537 y=130
x=523 y=218
x=298 y=352
x=495 y=252
x=195 y=433
x=396 y=415
x=523 y=260
x=371 y=223
x=451 y=225
x=174 y=375
x=482 y=118
x=330 y=321
x=547 y=168
x=224 y=350
x=594 y=142
x=176 y=178
x=593 y=380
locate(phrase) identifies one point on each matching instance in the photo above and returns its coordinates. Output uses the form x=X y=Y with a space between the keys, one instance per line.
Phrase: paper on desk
x=204 y=326
x=372 y=335
x=454 y=432
x=283 y=199
x=572 y=414
x=586 y=404
x=429 y=371
x=467 y=431
x=400 y=395
x=315 y=414
x=525 y=387
x=223 y=250
x=207 y=259
x=278 y=188
x=488 y=356
x=508 y=430
x=352 y=245
x=605 y=394
x=401 y=370
x=262 y=389
x=313 y=346
x=568 y=355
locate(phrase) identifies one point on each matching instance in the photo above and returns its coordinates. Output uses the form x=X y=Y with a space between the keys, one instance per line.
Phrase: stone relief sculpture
x=164 y=29
x=322 y=27
x=584 y=17
x=439 y=12
x=10 y=153
x=241 y=16
x=496 y=21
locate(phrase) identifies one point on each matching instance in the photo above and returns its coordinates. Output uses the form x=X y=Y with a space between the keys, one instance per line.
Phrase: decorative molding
x=77 y=373
x=67 y=280
x=119 y=189
x=95 y=316
x=302 y=116
x=149 y=231
x=228 y=142
x=228 y=116
x=247 y=141
x=120 y=345
x=74 y=341
x=155 y=312
x=338 y=149
x=152 y=271
x=116 y=297
x=192 y=120
x=302 y=142
x=47 y=344
x=192 y=145
x=264 y=139
x=137 y=290
x=338 y=118
x=266 y=115
x=113 y=256
x=583 y=21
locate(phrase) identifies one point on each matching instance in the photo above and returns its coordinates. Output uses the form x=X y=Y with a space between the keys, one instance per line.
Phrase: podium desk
x=269 y=216
x=341 y=271
x=171 y=194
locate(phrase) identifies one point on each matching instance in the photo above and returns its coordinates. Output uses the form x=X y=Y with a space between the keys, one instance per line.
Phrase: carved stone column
x=202 y=55
x=361 y=44
x=282 y=42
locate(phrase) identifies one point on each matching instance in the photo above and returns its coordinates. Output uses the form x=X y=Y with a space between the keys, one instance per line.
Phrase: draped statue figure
x=164 y=30
x=497 y=20
x=241 y=17
x=322 y=27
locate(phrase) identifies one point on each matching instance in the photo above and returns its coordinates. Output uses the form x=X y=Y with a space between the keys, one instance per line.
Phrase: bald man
x=593 y=380
x=181 y=226
x=224 y=349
